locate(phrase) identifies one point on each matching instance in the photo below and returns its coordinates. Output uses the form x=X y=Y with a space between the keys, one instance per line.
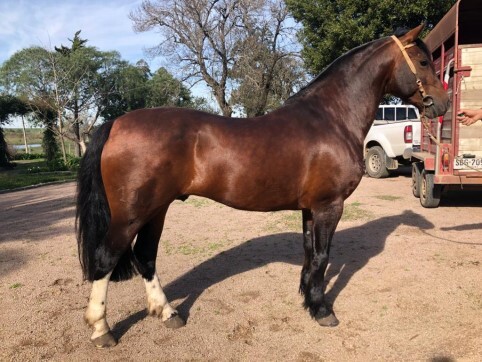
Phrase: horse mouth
x=435 y=110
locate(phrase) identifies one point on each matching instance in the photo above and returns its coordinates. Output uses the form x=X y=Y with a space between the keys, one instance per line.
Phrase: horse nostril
x=427 y=101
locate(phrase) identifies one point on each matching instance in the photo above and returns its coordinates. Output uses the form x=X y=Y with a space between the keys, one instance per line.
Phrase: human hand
x=469 y=116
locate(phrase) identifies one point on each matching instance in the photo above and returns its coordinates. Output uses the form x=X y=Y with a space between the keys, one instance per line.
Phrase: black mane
x=305 y=89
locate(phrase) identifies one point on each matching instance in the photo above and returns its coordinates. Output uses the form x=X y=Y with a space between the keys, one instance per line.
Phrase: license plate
x=467 y=163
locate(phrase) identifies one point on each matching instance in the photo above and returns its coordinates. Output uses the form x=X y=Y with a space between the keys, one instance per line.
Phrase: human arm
x=469 y=116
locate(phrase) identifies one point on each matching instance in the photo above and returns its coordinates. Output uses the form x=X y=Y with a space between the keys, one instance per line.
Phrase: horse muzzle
x=428 y=101
x=434 y=109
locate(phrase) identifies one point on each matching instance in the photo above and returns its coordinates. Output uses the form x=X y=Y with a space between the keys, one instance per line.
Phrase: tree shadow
x=29 y=215
x=352 y=249
x=10 y=260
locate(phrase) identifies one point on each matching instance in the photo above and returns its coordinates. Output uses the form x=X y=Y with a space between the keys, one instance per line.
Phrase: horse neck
x=351 y=89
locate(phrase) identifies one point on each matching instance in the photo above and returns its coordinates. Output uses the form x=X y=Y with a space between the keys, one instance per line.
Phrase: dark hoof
x=105 y=341
x=328 y=321
x=174 y=322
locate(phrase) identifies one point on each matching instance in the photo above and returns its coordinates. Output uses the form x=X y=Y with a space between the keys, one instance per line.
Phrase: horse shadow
x=352 y=249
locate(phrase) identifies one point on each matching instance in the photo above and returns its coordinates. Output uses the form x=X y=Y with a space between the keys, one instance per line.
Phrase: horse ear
x=412 y=34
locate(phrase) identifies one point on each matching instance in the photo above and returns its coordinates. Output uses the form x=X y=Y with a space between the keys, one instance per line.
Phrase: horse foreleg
x=95 y=315
x=308 y=248
x=325 y=220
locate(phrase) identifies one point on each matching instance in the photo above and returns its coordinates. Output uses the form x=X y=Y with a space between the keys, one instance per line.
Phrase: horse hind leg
x=145 y=251
x=95 y=315
x=108 y=258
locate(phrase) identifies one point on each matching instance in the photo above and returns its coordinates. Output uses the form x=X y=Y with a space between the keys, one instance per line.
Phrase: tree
x=166 y=90
x=209 y=38
x=71 y=89
x=125 y=89
x=32 y=75
x=9 y=106
x=78 y=71
x=75 y=83
x=267 y=72
x=332 y=27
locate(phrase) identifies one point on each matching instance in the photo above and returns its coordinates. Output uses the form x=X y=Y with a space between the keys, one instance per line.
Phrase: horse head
x=414 y=79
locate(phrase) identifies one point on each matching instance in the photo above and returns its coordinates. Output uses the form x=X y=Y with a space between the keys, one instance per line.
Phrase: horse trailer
x=450 y=155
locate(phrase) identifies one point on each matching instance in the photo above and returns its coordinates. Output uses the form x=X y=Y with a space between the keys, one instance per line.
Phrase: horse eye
x=423 y=63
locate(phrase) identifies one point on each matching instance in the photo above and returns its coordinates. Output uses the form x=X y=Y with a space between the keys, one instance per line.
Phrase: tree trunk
x=220 y=96
x=83 y=146
x=62 y=140
x=24 y=136
x=78 y=148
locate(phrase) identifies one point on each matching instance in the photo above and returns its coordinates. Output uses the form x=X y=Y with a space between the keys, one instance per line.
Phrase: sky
x=50 y=23
x=104 y=23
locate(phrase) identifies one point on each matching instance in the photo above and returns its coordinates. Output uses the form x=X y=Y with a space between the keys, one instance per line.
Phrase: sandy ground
x=405 y=283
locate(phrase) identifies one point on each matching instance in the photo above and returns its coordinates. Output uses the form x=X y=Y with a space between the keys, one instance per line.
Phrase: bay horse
x=306 y=155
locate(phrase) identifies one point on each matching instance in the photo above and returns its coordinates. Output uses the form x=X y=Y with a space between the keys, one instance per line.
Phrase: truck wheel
x=376 y=162
x=429 y=192
x=416 y=176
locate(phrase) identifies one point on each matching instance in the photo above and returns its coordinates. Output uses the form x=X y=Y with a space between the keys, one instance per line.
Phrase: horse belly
x=249 y=186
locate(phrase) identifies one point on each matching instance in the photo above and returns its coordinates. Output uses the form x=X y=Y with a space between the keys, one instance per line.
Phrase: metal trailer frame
x=458 y=29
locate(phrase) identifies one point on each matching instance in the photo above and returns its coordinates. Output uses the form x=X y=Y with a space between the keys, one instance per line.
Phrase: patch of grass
x=291 y=220
x=30 y=172
x=16 y=286
x=384 y=311
x=354 y=212
x=197 y=202
x=214 y=246
x=190 y=249
x=286 y=221
x=387 y=197
x=14 y=136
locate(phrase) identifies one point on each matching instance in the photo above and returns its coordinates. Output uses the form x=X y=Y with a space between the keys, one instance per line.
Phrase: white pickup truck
x=393 y=135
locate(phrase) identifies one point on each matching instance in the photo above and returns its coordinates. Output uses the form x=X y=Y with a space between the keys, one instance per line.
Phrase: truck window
x=379 y=114
x=389 y=114
x=401 y=113
x=412 y=114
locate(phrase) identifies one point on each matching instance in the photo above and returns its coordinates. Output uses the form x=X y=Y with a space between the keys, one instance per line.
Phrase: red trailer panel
x=454 y=158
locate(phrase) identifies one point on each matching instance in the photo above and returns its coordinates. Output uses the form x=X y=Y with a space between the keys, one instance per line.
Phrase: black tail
x=93 y=214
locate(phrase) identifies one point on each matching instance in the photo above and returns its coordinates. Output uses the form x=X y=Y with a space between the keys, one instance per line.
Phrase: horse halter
x=427 y=100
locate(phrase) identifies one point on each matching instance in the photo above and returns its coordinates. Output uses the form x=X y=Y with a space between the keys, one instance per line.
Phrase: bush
x=58 y=164
x=72 y=163
x=27 y=156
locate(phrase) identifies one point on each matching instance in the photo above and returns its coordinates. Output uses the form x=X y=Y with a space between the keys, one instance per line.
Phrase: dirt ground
x=405 y=283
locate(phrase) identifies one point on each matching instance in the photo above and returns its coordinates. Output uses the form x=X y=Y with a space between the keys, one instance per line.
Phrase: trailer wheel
x=416 y=176
x=376 y=162
x=429 y=192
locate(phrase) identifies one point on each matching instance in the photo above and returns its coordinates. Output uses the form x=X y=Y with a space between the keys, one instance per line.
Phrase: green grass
x=285 y=221
x=190 y=249
x=354 y=212
x=198 y=202
x=26 y=174
x=14 y=136
x=387 y=197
